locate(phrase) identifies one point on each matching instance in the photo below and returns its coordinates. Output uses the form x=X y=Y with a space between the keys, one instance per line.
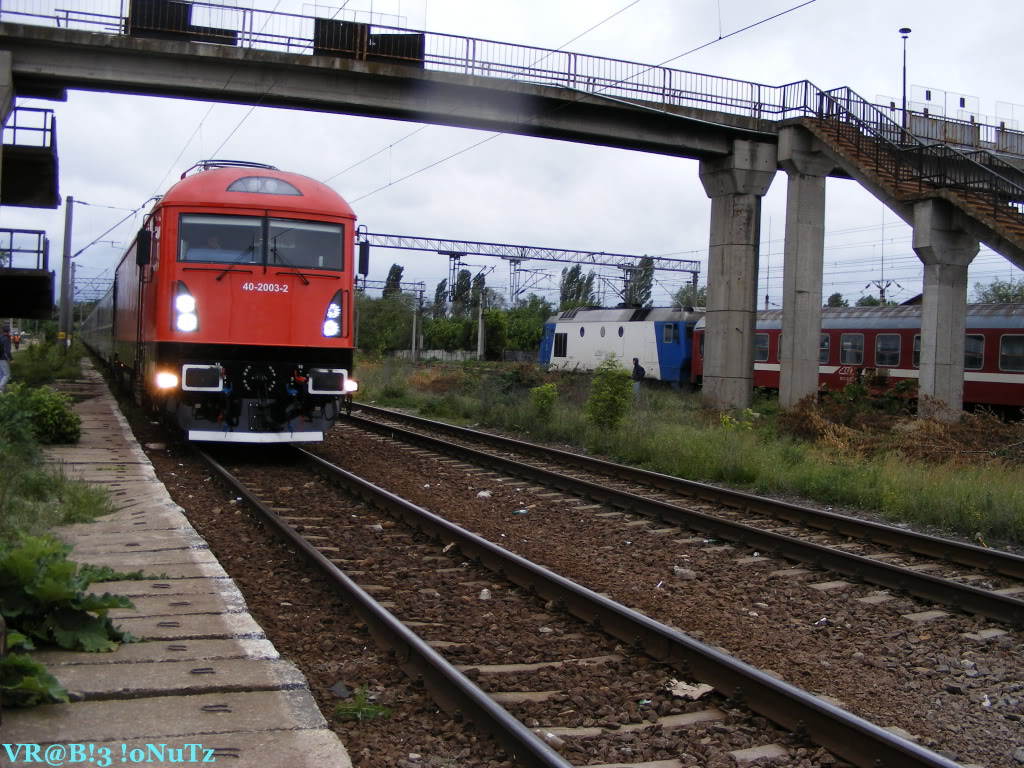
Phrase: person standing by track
x=638 y=375
x=5 y=357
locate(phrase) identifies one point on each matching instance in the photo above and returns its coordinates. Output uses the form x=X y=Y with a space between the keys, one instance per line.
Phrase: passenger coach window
x=851 y=349
x=1011 y=353
x=760 y=347
x=823 y=349
x=974 y=352
x=309 y=244
x=917 y=351
x=560 y=344
x=220 y=239
x=887 y=350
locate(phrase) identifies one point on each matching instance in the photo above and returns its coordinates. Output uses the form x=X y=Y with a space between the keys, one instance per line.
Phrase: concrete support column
x=6 y=96
x=735 y=184
x=806 y=170
x=946 y=249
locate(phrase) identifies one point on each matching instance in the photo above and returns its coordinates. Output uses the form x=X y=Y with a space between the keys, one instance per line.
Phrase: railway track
x=970 y=578
x=588 y=675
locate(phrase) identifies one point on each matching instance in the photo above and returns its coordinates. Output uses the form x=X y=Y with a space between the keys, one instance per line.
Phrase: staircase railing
x=889 y=149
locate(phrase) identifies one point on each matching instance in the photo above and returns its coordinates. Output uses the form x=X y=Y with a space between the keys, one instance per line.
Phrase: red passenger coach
x=232 y=311
x=880 y=346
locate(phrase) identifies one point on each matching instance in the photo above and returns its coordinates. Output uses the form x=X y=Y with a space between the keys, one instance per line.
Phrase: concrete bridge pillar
x=941 y=242
x=735 y=183
x=806 y=169
x=6 y=96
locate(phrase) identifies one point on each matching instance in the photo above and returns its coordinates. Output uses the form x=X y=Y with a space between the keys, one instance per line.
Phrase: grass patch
x=963 y=478
x=46 y=362
x=33 y=495
x=360 y=707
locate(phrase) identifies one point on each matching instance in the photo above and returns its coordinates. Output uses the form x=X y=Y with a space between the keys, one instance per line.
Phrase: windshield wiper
x=242 y=255
x=277 y=254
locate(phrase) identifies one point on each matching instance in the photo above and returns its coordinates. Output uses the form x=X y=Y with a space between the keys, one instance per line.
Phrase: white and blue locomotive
x=661 y=337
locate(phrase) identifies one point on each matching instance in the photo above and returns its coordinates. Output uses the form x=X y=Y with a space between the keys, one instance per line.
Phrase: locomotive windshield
x=221 y=239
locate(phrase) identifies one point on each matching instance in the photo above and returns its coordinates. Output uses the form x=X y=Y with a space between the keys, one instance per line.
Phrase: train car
x=880 y=346
x=581 y=339
x=232 y=311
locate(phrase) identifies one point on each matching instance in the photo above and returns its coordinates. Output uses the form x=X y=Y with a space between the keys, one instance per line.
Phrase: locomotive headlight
x=351 y=385
x=187 y=322
x=333 y=318
x=186 y=319
x=165 y=380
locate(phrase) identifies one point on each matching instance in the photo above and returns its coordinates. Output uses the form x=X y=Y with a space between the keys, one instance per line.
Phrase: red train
x=877 y=345
x=232 y=312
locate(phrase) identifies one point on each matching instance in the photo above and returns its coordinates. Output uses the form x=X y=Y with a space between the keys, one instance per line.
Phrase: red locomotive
x=232 y=312
x=878 y=345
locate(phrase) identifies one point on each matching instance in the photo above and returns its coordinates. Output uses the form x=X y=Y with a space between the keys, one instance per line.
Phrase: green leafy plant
x=360 y=708
x=745 y=420
x=610 y=394
x=543 y=399
x=24 y=682
x=42 y=596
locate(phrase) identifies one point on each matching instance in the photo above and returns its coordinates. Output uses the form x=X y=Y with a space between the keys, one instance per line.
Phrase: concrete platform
x=205 y=674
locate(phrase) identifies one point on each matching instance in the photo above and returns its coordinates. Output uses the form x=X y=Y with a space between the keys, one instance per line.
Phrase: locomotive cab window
x=220 y=239
x=1011 y=353
x=670 y=335
x=560 y=344
x=887 y=350
x=309 y=244
x=974 y=352
x=851 y=349
x=823 y=349
x=761 y=342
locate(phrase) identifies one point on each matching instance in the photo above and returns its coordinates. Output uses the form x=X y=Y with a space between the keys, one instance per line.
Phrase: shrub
x=543 y=399
x=52 y=415
x=522 y=376
x=610 y=395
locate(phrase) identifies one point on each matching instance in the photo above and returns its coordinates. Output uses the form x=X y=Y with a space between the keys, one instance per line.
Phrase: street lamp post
x=905 y=31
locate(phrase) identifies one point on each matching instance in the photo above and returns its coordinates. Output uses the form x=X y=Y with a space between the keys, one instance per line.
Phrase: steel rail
x=932 y=588
x=449 y=688
x=853 y=738
x=992 y=560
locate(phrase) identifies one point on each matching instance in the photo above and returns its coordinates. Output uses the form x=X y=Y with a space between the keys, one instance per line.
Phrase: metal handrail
x=908 y=158
x=45 y=130
x=11 y=247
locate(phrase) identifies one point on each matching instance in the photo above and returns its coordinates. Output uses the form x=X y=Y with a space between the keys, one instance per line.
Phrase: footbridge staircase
x=902 y=169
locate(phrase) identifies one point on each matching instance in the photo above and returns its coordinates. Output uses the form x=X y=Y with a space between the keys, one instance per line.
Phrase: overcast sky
x=119 y=150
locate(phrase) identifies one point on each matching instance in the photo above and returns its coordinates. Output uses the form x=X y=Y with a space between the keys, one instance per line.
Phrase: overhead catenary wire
x=425 y=126
x=581 y=97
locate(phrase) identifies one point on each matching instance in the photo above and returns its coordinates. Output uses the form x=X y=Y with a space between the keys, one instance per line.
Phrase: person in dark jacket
x=638 y=375
x=5 y=357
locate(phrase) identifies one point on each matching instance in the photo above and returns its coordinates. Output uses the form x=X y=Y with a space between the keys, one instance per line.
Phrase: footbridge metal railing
x=878 y=140
x=892 y=152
